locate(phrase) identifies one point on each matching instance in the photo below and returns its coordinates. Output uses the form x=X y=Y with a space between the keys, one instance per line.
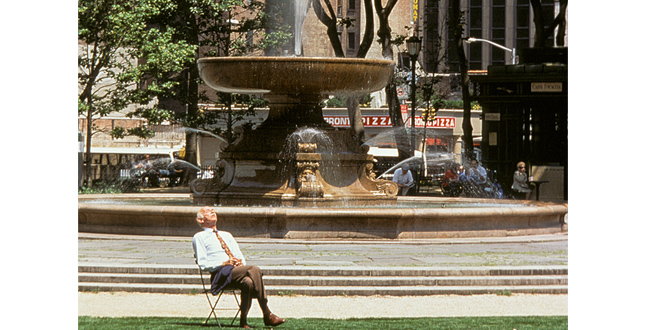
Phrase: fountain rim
x=489 y=204
x=299 y=59
x=298 y=223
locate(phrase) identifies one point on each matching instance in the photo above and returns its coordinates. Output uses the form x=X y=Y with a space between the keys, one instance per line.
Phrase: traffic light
x=433 y=114
x=425 y=114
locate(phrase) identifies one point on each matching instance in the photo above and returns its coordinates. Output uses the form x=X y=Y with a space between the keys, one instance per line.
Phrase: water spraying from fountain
x=300 y=9
x=194 y=130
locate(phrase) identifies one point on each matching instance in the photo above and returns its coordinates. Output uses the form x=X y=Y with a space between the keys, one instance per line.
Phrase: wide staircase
x=327 y=281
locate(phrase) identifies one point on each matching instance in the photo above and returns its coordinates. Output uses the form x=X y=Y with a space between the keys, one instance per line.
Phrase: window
x=475 y=30
x=522 y=24
x=498 y=27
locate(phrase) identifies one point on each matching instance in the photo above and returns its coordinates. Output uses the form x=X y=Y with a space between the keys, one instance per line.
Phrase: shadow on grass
x=444 y=323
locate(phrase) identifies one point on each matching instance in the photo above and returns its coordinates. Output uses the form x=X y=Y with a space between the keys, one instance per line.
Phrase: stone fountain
x=294 y=158
x=257 y=169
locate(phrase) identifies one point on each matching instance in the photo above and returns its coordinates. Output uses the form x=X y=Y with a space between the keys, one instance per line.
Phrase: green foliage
x=142 y=132
x=119 y=51
x=444 y=323
x=112 y=187
x=136 y=54
x=335 y=102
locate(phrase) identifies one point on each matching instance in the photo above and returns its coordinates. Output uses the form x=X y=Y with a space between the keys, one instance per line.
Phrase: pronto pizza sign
x=439 y=122
x=384 y=121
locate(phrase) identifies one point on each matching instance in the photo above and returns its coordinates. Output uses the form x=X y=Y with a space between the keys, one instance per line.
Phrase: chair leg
x=239 y=309
x=213 y=306
x=219 y=296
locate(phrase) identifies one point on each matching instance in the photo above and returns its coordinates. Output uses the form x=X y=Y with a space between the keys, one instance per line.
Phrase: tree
x=329 y=19
x=384 y=34
x=456 y=27
x=542 y=33
x=387 y=41
x=211 y=28
x=113 y=35
x=433 y=91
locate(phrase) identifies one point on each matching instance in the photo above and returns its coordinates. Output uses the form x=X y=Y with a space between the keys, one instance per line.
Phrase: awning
x=388 y=152
x=134 y=151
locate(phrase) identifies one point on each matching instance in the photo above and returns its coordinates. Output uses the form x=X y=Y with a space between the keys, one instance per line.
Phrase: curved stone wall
x=329 y=223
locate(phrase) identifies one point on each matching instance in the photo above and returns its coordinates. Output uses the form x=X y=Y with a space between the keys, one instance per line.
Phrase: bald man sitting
x=218 y=252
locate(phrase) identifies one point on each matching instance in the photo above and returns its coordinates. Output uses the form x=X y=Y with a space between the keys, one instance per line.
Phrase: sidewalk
x=539 y=250
x=122 y=304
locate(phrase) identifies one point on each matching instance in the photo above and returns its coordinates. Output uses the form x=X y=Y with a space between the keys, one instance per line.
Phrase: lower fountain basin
x=475 y=218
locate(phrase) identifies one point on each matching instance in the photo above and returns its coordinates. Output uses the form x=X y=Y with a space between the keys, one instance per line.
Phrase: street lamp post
x=414 y=46
x=511 y=50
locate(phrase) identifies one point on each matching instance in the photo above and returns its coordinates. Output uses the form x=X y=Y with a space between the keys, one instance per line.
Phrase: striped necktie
x=224 y=246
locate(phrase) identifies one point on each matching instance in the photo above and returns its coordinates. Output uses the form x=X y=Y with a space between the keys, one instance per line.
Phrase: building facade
x=509 y=23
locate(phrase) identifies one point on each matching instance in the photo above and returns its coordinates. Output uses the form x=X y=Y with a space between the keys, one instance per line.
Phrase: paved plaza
x=539 y=250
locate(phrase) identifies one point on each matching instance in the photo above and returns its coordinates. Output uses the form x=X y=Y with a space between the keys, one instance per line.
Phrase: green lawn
x=444 y=323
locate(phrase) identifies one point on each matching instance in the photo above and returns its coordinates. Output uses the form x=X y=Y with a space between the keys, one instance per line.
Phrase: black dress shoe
x=273 y=320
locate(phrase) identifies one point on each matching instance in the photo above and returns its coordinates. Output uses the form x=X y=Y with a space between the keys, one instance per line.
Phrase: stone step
x=321 y=281
x=334 y=290
x=341 y=271
x=325 y=281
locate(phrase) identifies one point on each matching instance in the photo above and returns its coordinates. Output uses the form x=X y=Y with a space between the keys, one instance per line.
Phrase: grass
x=444 y=323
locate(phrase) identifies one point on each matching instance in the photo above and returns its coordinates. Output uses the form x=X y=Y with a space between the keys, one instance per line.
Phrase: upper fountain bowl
x=295 y=75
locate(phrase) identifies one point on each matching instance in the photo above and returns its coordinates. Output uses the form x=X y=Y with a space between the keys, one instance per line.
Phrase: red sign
x=384 y=121
x=439 y=122
x=404 y=111
x=368 y=121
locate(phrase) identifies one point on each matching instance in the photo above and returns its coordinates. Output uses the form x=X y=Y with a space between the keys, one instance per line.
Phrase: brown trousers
x=249 y=280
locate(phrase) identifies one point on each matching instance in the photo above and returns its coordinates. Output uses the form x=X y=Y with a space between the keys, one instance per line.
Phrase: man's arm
x=201 y=256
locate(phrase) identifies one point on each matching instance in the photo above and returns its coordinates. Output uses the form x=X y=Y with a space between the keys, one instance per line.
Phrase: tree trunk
x=458 y=44
x=542 y=34
x=384 y=31
x=538 y=19
x=355 y=119
x=384 y=34
x=193 y=112
x=192 y=92
x=330 y=22
x=366 y=43
x=88 y=141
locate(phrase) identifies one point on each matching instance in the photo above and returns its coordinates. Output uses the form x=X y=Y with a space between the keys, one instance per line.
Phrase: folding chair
x=212 y=301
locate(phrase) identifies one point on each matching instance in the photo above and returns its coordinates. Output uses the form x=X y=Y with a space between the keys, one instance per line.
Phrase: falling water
x=324 y=146
x=194 y=130
x=300 y=9
x=324 y=143
x=311 y=135
x=408 y=161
